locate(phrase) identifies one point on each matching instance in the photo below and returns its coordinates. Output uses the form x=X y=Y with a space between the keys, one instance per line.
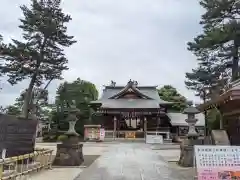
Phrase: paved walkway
x=56 y=174
x=130 y=161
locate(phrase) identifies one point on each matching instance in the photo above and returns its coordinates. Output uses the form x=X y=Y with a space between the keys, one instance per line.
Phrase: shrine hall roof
x=178 y=119
x=130 y=104
x=150 y=98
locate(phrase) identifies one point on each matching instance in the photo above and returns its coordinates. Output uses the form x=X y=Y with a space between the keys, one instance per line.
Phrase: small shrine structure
x=228 y=104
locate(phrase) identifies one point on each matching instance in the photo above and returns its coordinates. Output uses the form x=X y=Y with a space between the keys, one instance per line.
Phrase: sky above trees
x=120 y=40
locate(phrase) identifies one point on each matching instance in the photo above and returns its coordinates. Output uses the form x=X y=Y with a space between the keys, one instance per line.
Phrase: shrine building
x=134 y=111
x=227 y=104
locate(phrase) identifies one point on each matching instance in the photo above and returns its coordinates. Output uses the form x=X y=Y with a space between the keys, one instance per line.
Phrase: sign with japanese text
x=217 y=162
x=102 y=134
x=154 y=139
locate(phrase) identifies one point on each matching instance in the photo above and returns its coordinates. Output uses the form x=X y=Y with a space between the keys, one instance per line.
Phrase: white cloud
x=144 y=40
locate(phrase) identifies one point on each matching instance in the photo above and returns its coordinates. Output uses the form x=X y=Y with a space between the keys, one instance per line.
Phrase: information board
x=17 y=135
x=102 y=134
x=217 y=162
x=154 y=139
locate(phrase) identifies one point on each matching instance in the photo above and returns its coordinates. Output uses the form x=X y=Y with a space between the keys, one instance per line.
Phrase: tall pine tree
x=217 y=48
x=222 y=31
x=40 y=56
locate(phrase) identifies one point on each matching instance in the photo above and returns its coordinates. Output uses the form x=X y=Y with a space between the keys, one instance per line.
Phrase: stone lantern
x=187 y=145
x=72 y=120
x=69 y=152
x=191 y=111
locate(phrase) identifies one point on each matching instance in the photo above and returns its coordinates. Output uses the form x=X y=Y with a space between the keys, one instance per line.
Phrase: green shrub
x=49 y=138
x=62 y=137
x=45 y=138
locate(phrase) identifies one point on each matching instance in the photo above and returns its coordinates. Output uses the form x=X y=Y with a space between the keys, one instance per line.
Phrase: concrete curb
x=166 y=148
x=69 y=166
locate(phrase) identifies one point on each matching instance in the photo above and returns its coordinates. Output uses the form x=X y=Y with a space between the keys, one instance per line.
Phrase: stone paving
x=130 y=161
x=56 y=174
x=66 y=173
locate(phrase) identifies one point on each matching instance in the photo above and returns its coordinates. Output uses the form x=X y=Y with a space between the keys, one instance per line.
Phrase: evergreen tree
x=222 y=31
x=40 y=56
x=80 y=91
x=208 y=79
x=217 y=47
x=2 y=46
x=169 y=93
x=39 y=98
x=12 y=110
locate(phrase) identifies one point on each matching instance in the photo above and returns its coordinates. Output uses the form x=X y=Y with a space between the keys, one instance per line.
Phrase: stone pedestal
x=187 y=152
x=69 y=153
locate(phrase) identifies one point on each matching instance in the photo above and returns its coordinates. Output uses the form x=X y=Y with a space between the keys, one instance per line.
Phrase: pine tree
x=222 y=31
x=2 y=46
x=208 y=79
x=40 y=56
x=39 y=98
x=217 y=47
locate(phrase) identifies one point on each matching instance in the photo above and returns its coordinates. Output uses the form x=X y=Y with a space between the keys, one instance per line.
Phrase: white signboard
x=154 y=139
x=217 y=162
x=102 y=134
x=4 y=153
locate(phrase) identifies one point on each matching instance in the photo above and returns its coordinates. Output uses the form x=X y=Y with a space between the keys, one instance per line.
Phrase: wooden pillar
x=136 y=122
x=114 y=127
x=145 y=127
x=158 y=123
x=168 y=136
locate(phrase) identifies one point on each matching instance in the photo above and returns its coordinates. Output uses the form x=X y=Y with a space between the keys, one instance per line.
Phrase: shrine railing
x=20 y=166
x=109 y=133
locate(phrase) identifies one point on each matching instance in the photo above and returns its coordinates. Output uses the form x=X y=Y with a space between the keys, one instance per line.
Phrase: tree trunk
x=27 y=98
x=205 y=112
x=235 y=68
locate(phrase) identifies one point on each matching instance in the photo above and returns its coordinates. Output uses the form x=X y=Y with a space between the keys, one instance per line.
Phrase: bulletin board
x=217 y=162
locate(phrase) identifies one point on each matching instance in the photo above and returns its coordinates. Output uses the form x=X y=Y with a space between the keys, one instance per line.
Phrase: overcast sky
x=142 y=40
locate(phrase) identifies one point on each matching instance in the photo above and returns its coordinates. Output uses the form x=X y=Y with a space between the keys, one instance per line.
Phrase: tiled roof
x=130 y=103
x=149 y=97
x=178 y=119
x=148 y=91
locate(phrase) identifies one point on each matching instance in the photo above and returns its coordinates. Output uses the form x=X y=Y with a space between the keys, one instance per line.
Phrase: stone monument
x=69 y=152
x=219 y=137
x=17 y=135
x=187 y=145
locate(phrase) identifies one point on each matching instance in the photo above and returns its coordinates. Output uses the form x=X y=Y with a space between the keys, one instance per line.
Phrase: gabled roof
x=150 y=98
x=128 y=87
